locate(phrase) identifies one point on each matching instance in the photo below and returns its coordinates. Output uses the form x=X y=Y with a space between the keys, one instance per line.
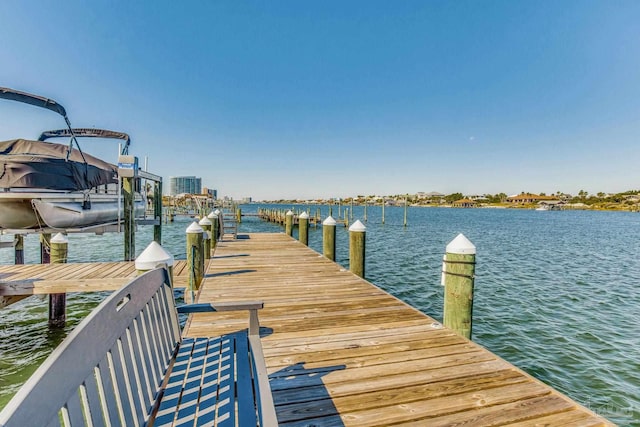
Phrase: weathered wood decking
x=340 y=351
x=19 y=281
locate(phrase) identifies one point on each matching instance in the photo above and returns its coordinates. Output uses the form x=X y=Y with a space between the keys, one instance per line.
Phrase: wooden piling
x=303 y=228
x=357 y=235
x=288 y=228
x=329 y=238
x=58 y=302
x=217 y=225
x=383 y=210
x=238 y=215
x=195 y=258
x=213 y=217
x=206 y=224
x=45 y=239
x=365 y=211
x=157 y=212
x=18 y=247
x=458 y=271
x=405 y=210
x=129 y=219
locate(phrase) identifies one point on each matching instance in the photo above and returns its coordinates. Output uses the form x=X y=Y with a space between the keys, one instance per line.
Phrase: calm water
x=556 y=292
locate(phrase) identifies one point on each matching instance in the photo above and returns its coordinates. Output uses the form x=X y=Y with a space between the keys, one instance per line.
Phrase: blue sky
x=291 y=99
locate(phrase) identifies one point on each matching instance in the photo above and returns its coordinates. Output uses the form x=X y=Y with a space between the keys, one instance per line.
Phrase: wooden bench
x=127 y=365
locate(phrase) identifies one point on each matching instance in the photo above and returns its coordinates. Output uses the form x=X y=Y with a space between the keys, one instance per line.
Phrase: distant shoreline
x=569 y=207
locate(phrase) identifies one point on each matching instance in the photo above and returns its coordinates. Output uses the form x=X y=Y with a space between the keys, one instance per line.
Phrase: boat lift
x=129 y=177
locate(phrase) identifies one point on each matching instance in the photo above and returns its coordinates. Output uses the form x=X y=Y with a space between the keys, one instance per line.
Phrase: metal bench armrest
x=251 y=306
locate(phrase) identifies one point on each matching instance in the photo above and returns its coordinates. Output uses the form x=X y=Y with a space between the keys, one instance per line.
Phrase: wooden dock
x=342 y=352
x=20 y=281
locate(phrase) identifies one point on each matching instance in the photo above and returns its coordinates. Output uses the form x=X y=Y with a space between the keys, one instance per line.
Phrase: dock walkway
x=342 y=352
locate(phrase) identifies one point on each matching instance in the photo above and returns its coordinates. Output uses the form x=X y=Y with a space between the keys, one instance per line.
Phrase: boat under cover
x=44 y=187
x=45 y=165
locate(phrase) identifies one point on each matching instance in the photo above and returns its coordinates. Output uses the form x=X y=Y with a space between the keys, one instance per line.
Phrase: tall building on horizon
x=184 y=184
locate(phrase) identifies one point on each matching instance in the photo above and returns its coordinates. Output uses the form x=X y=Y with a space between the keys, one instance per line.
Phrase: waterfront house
x=525 y=198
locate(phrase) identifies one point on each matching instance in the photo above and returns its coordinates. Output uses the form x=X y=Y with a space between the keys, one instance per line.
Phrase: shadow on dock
x=301 y=397
x=228 y=273
x=230 y=256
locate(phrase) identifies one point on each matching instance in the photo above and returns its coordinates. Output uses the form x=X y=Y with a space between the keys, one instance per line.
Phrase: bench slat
x=209 y=395
x=72 y=412
x=134 y=390
x=121 y=382
x=143 y=358
x=191 y=388
x=107 y=396
x=152 y=364
x=226 y=410
x=173 y=389
x=149 y=362
x=91 y=400
x=137 y=361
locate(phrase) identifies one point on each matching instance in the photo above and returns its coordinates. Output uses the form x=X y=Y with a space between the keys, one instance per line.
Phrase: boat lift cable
x=72 y=140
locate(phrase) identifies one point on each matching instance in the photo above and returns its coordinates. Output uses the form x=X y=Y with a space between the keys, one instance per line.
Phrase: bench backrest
x=100 y=375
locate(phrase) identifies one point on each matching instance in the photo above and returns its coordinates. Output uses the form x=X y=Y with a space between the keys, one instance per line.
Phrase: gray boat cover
x=44 y=165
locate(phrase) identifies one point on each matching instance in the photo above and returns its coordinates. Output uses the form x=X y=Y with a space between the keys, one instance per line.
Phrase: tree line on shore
x=628 y=200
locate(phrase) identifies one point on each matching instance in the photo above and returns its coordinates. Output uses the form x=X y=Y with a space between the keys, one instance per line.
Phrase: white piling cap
x=461 y=245
x=59 y=238
x=205 y=221
x=289 y=212
x=212 y=215
x=153 y=255
x=194 y=228
x=329 y=221
x=358 y=227
x=217 y=212
x=304 y=215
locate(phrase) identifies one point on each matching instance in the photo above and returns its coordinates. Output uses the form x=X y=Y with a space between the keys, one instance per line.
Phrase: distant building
x=213 y=193
x=524 y=198
x=185 y=184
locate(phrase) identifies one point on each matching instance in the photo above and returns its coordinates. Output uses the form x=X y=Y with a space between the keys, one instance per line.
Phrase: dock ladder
x=229 y=221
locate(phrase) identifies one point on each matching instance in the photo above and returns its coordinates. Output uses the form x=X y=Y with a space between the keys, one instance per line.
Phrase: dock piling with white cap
x=329 y=238
x=458 y=270
x=303 y=228
x=357 y=236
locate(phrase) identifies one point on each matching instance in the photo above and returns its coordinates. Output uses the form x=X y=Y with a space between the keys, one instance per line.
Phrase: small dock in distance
x=342 y=352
